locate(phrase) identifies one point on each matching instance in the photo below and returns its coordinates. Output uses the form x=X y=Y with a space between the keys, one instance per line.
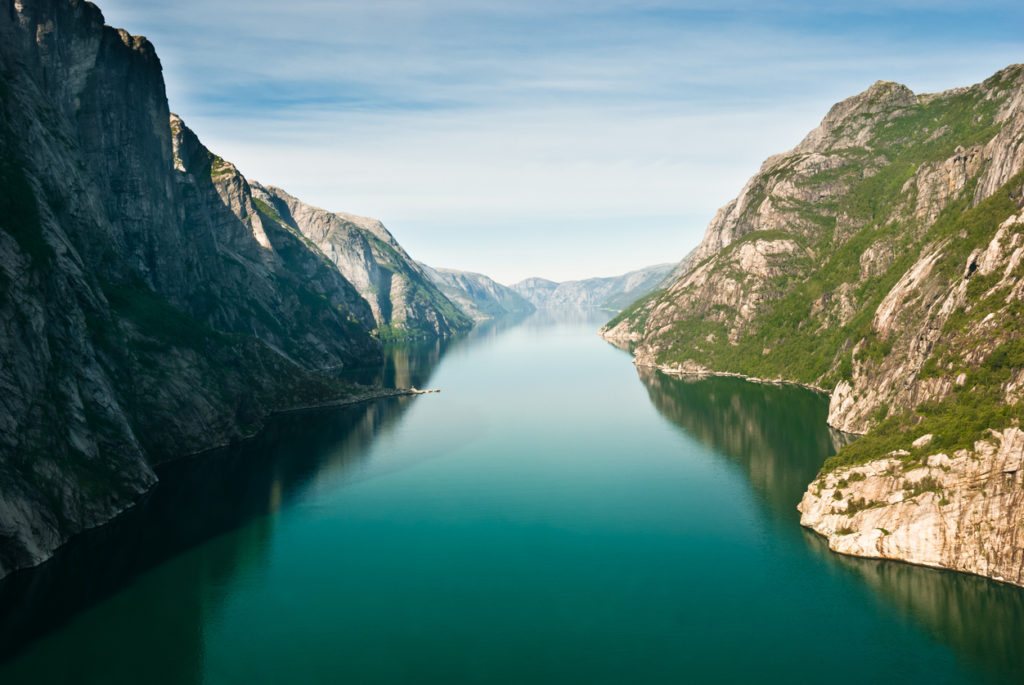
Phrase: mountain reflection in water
x=778 y=435
x=197 y=499
x=546 y=518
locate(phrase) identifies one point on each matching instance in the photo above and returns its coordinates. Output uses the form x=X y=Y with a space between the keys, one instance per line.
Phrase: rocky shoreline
x=697 y=372
x=691 y=369
x=351 y=400
x=957 y=512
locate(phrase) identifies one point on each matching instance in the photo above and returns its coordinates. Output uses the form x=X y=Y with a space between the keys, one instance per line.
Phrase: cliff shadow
x=197 y=499
x=776 y=434
x=779 y=437
x=981 y=619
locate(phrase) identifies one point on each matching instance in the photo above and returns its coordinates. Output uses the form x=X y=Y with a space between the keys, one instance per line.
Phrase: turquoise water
x=549 y=517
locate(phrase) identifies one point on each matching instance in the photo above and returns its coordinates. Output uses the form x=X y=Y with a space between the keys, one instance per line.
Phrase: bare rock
x=964 y=513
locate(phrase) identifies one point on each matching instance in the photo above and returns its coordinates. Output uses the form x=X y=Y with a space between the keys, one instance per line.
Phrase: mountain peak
x=881 y=96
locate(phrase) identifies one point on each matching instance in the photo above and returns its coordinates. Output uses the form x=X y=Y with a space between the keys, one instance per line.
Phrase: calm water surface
x=549 y=517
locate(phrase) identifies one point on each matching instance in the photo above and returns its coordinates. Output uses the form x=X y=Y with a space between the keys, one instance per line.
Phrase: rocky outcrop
x=963 y=511
x=405 y=302
x=937 y=324
x=841 y=262
x=870 y=183
x=479 y=296
x=151 y=303
x=880 y=260
x=613 y=292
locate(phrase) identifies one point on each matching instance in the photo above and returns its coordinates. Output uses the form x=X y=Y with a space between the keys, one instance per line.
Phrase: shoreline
x=352 y=400
x=706 y=373
x=840 y=540
x=695 y=370
x=957 y=512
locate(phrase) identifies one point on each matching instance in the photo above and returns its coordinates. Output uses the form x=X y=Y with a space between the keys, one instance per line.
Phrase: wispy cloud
x=561 y=139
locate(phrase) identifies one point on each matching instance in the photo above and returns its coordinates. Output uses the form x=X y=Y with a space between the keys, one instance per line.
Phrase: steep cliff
x=880 y=259
x=149 y=305
x=611 y=292
x=479 y=296
x=959 y=511
x=406 y=303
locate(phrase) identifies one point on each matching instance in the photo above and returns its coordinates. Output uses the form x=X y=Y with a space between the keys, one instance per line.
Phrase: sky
x=555 y=138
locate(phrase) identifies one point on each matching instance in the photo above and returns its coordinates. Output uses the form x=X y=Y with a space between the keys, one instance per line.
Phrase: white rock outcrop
x=963 y=512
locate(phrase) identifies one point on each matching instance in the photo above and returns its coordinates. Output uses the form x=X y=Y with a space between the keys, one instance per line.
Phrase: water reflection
x=779 y=437
x=777 y=434
x=405 y=365
x=197 y=500
x=546 y=317
x=981 y=619
x=409 y=364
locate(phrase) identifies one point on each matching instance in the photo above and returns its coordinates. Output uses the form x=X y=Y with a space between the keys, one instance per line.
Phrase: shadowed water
x=547 y=517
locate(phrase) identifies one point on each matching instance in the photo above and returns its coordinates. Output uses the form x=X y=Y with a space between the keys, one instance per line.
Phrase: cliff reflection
x=587 y=316
x=183 y=522
x=409 y=364
x=779 y=437
x=405 y=365
x=981 y=619
x=777 y=434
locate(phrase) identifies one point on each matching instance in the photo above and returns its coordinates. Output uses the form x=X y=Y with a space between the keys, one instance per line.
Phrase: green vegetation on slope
x=786 y=339
x=154 y=318
x=814 y=320
x=964 y=417
x=957 y=422
x=637 y=312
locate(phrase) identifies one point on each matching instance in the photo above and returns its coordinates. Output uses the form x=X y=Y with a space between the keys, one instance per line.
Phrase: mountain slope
x=405 y=301
x=880 y=259
x=479 y=296
x=150 y=305
x=613 y=292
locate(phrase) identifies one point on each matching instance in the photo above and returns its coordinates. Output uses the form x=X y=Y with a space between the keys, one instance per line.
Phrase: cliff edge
x=881 y=261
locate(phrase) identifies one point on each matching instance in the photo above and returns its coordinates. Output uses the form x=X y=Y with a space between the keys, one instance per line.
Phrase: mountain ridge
x=405 y=302
x=605 y=292
x=152 y=303
x=879 y=259
x=478 y=295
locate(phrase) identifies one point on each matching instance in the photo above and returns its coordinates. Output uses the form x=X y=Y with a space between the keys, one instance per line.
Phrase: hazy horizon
x=524 y=140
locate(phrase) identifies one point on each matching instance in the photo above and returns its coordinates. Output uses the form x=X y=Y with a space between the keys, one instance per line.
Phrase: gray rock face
x=405 y=302
x=149 y=307
x=537 y=291
x=614 y=292
x=479 y=296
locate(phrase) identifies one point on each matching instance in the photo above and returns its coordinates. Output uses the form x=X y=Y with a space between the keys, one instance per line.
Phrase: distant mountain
x=613 y=292
x=477 y=295
x=405 y=301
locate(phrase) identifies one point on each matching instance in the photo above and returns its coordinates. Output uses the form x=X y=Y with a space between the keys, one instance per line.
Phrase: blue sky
x=541 y=138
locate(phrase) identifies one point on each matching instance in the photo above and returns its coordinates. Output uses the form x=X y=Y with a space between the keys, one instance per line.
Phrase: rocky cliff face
x=959 y=511
x=479 y=296
x=880 y=259
x=613 y=292
x=405 y=302
x=790 y=274
x=151 y=303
